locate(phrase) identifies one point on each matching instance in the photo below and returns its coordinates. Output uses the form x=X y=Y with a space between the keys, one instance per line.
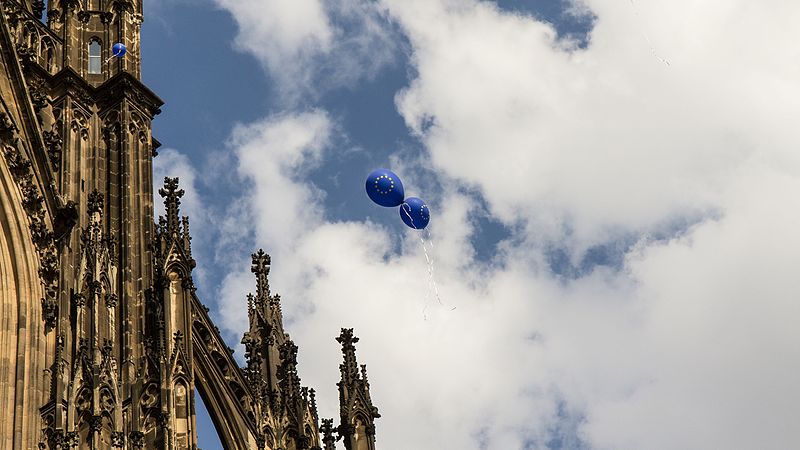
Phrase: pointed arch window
x=95 y=56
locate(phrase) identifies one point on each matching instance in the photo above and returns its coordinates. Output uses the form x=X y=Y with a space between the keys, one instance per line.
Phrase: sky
x=615 y=197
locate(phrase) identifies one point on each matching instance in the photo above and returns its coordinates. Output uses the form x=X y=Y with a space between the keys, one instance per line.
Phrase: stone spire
x=349 y=367
x=327 y=429
x=92 y=233
x=289 y=380
x=172 y=201
x=272 y=366
x=260 y=267
x=357 y=413
x=262 y=342
x=172 y=230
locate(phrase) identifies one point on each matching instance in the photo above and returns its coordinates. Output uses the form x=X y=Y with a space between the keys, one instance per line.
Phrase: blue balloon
x=385 y=188
x=415 y=213
x=119 y=50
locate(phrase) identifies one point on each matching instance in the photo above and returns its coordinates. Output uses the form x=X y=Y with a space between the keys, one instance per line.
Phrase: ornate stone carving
x=71 y=439
x=136 y=439
x=50 y=311
x=261 y=265
x=172 y=200
x=79 y=299
x=20 y=168
x=7 y=127
x=80 y=123
x=83 y=17
x=54 y=144
x=111 y=301
x=327 y=429
x=38 y=92
x=96 y=423
x=117 y=439
x=95 y=202
x=38 y=8
x=64 y=222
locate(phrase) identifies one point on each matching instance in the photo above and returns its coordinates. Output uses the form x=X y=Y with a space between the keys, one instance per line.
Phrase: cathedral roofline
x=124 y=81
x=121 y=83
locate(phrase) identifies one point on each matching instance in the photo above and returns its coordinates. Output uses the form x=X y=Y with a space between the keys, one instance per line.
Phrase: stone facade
x=103 y=339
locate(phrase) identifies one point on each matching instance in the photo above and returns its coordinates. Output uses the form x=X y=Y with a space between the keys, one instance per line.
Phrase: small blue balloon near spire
x=119 y=50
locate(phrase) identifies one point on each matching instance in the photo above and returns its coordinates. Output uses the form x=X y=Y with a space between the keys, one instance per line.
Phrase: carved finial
x=38 y=8
x=117 y=439
x=364 y=374
x=250 y=308
x=350 y=367
x=288 y=353
x=136 y=439
x=327 y=429
x=172 y=201
x=92 y=234
x=277 y=312
x=312 y=395
x=187 y=238
x=288 y=379
x=353 y=385
x=95 y=203
x=347 y=339
x=261 y=262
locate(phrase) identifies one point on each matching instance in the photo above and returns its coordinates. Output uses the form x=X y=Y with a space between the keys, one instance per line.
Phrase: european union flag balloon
x=385 y=188
x=119 y=50
x=415 y=213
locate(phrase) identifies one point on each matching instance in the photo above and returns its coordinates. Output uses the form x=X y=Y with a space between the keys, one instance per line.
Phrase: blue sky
x=600 y=218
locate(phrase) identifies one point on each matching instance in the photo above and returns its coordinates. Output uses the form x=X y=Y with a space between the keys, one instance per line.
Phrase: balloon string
x=116 y=55
x=647 y=39
x=429 y=259
x=428 y=234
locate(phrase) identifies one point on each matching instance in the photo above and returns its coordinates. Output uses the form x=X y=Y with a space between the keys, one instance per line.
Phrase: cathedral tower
x=103 y=339
x=89 y=28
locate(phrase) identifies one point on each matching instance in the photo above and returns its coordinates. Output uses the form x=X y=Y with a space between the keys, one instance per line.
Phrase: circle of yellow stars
x=391 y=184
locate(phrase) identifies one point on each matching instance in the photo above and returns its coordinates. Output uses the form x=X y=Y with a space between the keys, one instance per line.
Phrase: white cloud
x=274 y=157
x=691 y=344
x=607 y=141
x=309 y=46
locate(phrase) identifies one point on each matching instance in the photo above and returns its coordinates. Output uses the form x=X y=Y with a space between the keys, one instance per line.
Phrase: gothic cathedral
x=103 y=339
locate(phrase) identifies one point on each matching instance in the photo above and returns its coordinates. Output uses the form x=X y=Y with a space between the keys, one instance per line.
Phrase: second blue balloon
x=415 y=213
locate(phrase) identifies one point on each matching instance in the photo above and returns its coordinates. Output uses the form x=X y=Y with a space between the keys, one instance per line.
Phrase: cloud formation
x=311 y=46
x=688 y=343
